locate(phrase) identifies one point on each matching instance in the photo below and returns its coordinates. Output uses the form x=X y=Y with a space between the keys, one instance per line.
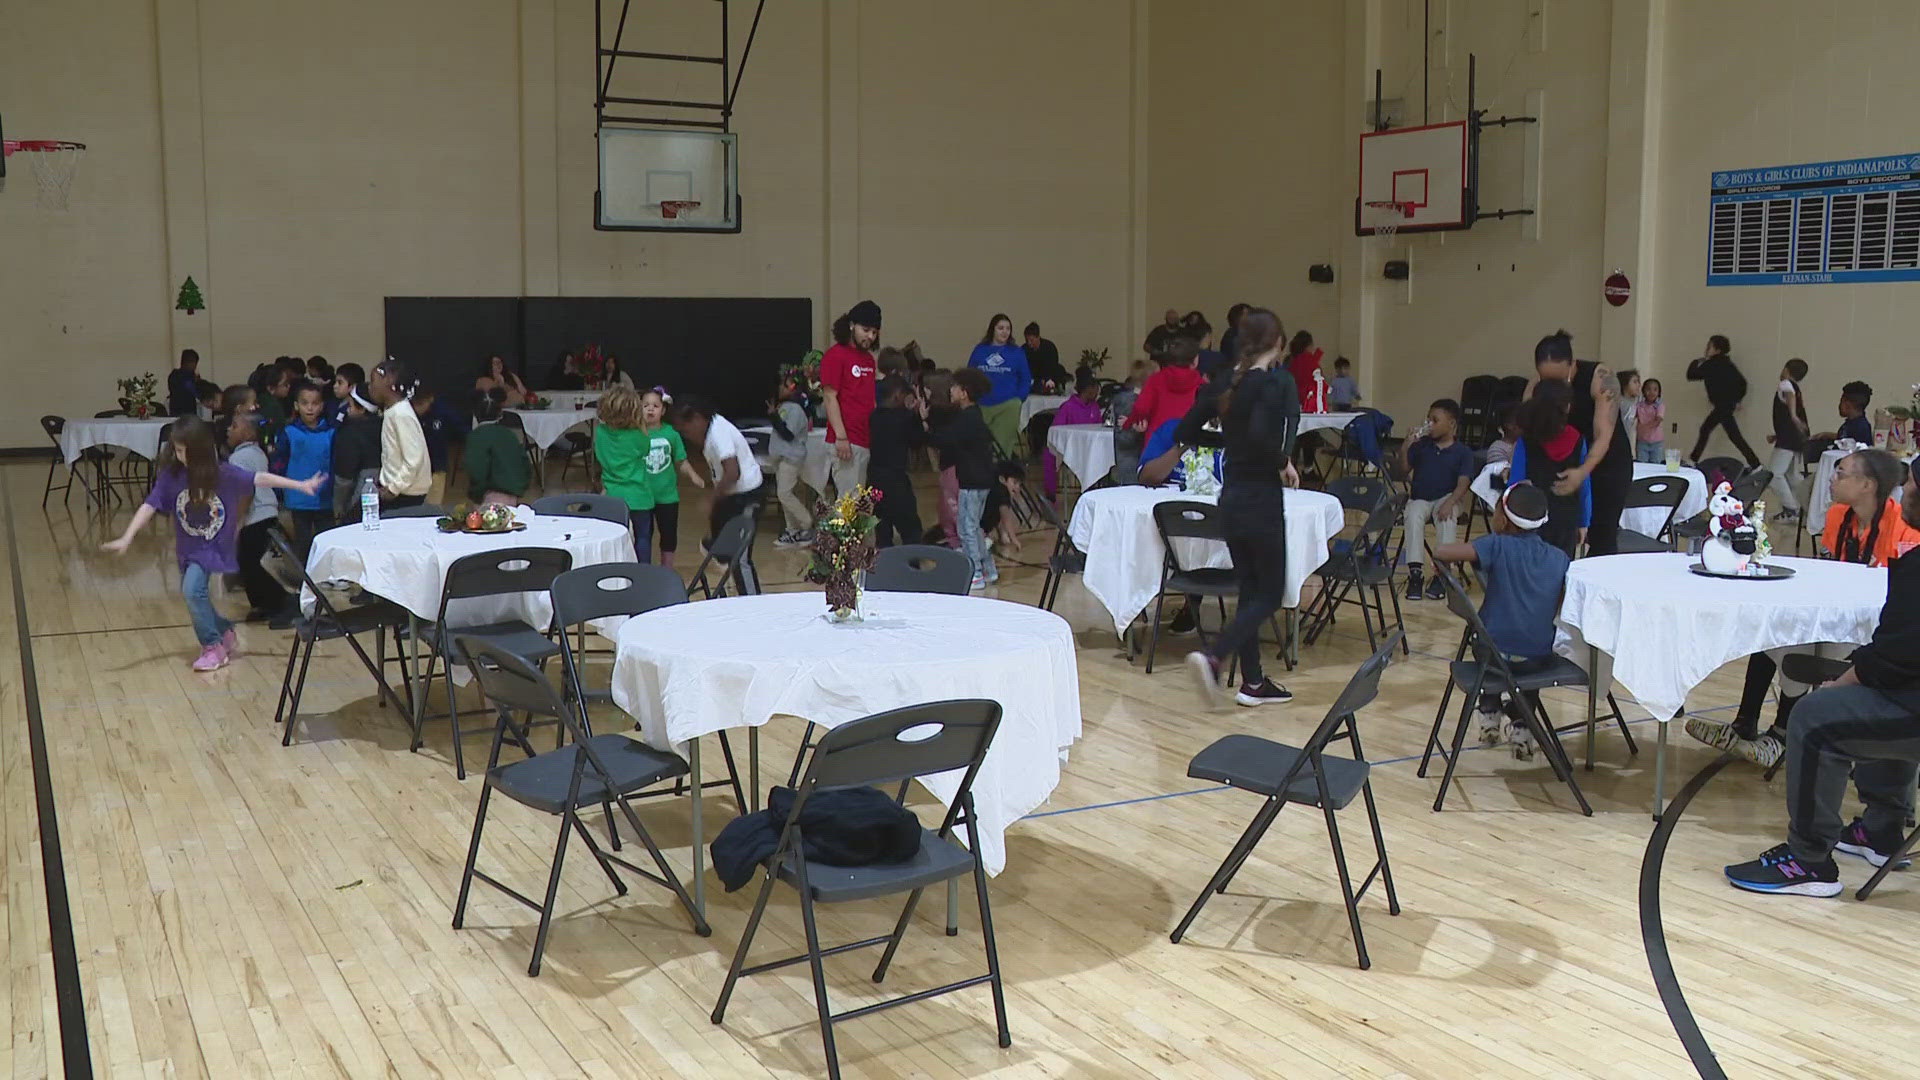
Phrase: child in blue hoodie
x=306 y=448
x=1004 y=363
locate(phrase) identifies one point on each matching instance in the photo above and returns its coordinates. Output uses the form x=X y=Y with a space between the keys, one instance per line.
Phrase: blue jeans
x=208 y=625
x=973 y=539
x=1653 y=453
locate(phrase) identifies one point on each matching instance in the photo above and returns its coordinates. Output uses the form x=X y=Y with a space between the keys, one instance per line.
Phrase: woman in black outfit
x=1259 y=413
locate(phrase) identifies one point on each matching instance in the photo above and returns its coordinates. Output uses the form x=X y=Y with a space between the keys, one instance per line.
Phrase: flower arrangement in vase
x=139 y=396
x=1910 y=413
x=594 y=367
x=842 y=551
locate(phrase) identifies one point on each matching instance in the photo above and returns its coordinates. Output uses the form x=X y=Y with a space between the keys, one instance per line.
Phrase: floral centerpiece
x=1909 y=412
x=593 y=365
x=139 y=396
x=842 y=550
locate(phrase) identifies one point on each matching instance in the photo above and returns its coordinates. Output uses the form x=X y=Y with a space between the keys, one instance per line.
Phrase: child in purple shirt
x=1082 y=408
x=208 y=500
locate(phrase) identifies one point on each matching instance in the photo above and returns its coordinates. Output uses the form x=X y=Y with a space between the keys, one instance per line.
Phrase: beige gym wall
x=304 y=161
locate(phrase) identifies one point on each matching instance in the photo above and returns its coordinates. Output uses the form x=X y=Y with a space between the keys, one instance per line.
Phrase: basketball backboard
x=663 y=180
x=1422 y=168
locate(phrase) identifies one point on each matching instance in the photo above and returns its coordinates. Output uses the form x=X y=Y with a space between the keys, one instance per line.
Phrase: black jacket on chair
x=858 y=826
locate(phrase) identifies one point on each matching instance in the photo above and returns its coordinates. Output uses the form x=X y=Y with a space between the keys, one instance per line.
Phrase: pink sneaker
x=231 y=644
x=213 y=658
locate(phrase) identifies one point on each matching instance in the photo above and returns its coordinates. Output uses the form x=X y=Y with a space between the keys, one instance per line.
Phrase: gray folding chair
x=883 y=750
x=1181 y=519
x=730 y=558
x=591 y=771
x=584 y=504
x=1307 y=775
x=1065 y=559
x=330 y=623
x=920 y=568
x=1655 y=492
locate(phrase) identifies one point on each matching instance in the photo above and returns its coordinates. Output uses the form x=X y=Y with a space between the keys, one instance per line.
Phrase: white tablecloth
x=1087 y=449
x=1039 y=403
x=1318 y=421
x=818 y=464
x=567 y=400
x=1114 y=527
x=406 y=561
x=140 y=436
x=1667 y=629
x=545 y=426
x=1645 y=520
x=690 y=670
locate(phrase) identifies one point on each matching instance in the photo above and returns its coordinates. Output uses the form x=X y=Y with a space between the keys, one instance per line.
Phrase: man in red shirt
x=847 y=379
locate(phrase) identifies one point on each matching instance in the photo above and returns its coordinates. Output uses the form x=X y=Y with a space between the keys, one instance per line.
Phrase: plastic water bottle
x=369 y=504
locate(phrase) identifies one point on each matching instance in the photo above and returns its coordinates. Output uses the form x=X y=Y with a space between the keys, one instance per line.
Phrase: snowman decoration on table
x=1734 y=544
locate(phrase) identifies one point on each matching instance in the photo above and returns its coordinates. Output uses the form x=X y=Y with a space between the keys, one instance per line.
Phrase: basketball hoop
x=673 y=208
x=54 y=164
x=1385 y=217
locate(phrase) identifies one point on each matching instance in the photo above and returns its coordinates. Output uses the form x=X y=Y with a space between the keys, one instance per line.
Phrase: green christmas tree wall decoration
x=190 y=300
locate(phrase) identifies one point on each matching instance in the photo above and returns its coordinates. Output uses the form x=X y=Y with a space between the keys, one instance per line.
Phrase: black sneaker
x=1777 y=870
x=1183 y=621
x=1855 y=840
x=1416 y=584
x=1436 y=589
x=1264 y=692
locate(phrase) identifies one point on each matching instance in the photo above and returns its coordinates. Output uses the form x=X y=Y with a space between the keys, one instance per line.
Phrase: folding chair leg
x=1153 y=633
x=553 y=890
x=740 y=951
x=800 y=756
x=473 y=853
x=899 y=931
x=286 y=682
x=1906 y=848
x=1433 y=737
x=1246 y=853
x=986 y=934
x=1459 y=739
x=1372 y=644
x=1620 y=718
x=299 y=686
x=672 y=879
x=1380 y=849
x=619 y=887
x=1550 y=744
x=1346 y=881
x=819 y=971
x=1249 y=839
x=1399 y=620
x=733 y=773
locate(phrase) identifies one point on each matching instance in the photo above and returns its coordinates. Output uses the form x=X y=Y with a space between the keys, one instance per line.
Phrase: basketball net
x=1384 y=217
x=671 y=209
x=54 y=166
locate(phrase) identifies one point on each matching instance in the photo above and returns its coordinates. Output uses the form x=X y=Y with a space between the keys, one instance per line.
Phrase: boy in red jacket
x=1170 y=391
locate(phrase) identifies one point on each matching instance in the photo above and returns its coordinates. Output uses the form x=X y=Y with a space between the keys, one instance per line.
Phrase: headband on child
x=363 y=402
x=665 y=398
x=1528 y=524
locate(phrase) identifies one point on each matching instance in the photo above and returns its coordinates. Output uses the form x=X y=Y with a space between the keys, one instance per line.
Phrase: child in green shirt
x=639 y=454
x=497 y=469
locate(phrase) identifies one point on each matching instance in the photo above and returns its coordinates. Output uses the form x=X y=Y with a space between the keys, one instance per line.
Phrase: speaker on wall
x=1396 y=270
x=1320 y=273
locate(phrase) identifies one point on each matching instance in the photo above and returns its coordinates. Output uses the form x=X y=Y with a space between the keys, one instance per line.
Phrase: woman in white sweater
x=406 y=474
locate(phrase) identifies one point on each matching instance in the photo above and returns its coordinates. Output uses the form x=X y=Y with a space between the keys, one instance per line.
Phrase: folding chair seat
x=732 y=551
x=331 y=623
x=594 y=770
x=1309 y=776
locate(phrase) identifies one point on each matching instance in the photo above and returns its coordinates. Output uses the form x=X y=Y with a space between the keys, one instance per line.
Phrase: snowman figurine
x=1733 y=538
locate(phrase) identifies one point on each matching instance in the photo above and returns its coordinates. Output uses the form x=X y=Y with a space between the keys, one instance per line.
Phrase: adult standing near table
x=1865 y=723
x=183 y=385
x=1726 y=388
x=1005 y=366
x=1596 y=415
x=1043 y=358
x=1259 y=414
x=847 y=374
x=406 y=469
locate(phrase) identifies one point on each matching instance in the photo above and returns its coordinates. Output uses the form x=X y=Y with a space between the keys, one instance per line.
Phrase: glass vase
x=857 y=612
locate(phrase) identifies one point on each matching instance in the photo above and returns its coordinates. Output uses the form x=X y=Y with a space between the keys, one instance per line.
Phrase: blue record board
x=1831 y=222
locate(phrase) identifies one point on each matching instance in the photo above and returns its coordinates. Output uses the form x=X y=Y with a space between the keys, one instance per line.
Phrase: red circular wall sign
x=1618 y=288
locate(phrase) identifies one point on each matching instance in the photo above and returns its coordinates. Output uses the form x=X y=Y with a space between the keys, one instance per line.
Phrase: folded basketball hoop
x=54 y=163
x=1384 y=217
x=673 y=208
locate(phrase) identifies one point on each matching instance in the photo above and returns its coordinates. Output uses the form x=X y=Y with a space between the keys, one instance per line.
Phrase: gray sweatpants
x=1872 y=735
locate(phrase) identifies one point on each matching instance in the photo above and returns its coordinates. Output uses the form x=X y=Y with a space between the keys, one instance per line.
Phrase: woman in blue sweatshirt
x=1004 y=363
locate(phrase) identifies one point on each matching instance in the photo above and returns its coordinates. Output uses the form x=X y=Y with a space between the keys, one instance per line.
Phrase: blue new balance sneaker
x=1778 y=870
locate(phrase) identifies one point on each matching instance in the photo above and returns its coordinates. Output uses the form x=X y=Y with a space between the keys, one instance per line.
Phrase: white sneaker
x=1493 y=728
x=787 y=539
x=978 y=584
x=1206 y=675
x=1521 y=738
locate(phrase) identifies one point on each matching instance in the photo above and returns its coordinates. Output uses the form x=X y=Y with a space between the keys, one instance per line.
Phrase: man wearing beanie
x=847 y=379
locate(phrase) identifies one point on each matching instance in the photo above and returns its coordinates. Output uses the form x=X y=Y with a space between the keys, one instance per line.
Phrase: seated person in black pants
x=1866 y=724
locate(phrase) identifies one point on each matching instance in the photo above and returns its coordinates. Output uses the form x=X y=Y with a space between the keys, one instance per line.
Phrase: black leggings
x=726 y=508
x=1253 y=516
x=1723 y=416
x=1612 y=483
x=666 y=518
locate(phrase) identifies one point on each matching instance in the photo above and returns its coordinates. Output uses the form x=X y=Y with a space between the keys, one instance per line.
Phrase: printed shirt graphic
x=204 y=534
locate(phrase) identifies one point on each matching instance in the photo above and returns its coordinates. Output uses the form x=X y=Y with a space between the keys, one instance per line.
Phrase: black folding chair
x=606 y=590
x=1307 y=775
x=1181 y=519
x=330 y=623
x=584 y=504
x=733 y=551
x=593 y=770
x=1065 y=559
x=882 y=750
x=54 y=426
x=488 y=573
x=1654 y=492
x=920 y=568
x=1487 y=671
x=1361 y=569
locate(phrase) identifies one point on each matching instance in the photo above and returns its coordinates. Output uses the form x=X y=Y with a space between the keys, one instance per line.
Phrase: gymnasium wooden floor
x=241 y=909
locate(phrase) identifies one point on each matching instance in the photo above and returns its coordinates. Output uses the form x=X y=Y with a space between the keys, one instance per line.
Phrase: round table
x=545 y=426
x=818 y=464
x=1114 y=528
x=566 y=400
x=1666 y=629
x=1646 y=520
x=1319 y=421
x=1038 y=403
x=694 y=669
x=140 y=436
x=1087 y=449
